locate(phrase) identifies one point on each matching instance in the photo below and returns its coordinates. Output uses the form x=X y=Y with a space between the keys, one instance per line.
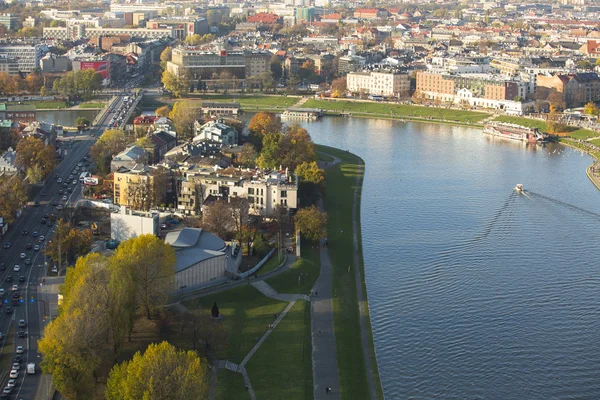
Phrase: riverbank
x=248 y=103
x=358 y=370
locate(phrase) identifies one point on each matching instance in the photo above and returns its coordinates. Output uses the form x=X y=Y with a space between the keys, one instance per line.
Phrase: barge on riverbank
x=515 y=132
x=310 y=114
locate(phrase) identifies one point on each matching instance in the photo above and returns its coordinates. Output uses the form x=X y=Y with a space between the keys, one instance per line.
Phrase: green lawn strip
x=582 y=146
x=45 y=104
x=324 y=157
x=583 y=134
x=259 y=101
x=230 y=385
x=91 y=105
x=271 y=264
x=300 y=278
x=528 y=122
x=247 y=314
x=397 y=110
x=595 y=142
x=282 y=366
x=341 y=180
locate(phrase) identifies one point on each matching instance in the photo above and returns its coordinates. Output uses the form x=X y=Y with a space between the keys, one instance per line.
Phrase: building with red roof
x=371 y=13
x=264 y=19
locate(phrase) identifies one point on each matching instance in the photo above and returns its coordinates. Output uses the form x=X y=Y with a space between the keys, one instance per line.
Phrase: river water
x=65 y=117
x=476 y=292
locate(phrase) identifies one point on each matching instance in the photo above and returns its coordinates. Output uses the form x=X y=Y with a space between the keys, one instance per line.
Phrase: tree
x=217 y=218
x=178 y=84
x=585 y=64
x=297 y=147
x=312 y=223
x=82 y=121
x=310 y=172
x=162 y=372
x=262 y=124
x=32 y=152
x=150 y=263
x=247 y=156
x=162 y=111
x=183 y=116
x=34 y=82
x=68 y=243
x=13 y=195
x=165 y=56
x=270 y=155
x=276 y=68
x=79 y=83
x=112 y=142
x=239 y=211
x=557 y=100
x=35 y=175
x=339 y=85
x=9 y=85
x=591 y=109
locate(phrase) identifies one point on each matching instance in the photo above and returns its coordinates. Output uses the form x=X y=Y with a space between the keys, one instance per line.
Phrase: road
x=33 y=311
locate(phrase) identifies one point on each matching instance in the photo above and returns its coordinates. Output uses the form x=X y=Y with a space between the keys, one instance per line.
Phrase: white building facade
x=387 y=84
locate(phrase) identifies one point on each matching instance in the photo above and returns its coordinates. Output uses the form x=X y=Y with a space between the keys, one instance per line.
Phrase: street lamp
x=182 y=287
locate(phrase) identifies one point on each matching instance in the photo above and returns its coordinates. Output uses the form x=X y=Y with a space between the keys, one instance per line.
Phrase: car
x=69 y=190
x=60 y=192
x=8 y=279
x=70 y=177
x=59 y=207
x=4 y=396
x=22 y=334
x=79 y=164
x=15 y=302
x=28 y=246
x=18 y=359
x=43 y=194
x=15 y=288
x=6 y=245
x=22 y=278
x=17 y=268
x=36 y=234
x=7 y=389
x=56 y=176
x=59 y=180
x=36 y=248
x=43 y=221
x=16 y=366
x=77 y=169
x=12 y=383
x=36 y=203
x=164 y=226
x=54 y=203
x=64 y=198
x=20 y=350
x=74 y=172
x=54 y=268
x=41 y=239
x=14 y=374
x=74 y=182
x=2 y=266
x=22 y=323
x=24 y=232
x=8 y=310
x=23 y=255
x=28 y=261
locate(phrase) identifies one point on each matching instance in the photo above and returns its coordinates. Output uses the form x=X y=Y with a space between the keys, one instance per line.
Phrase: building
x=9 y=65
x=382 y=83
x=54 y=63
x=257 y=63
x=180 y=26
x=27 y=55
x=29 y=22
x=219 y=109
x=215 y=131
x=24 y=113
x=140 y=187
x=574 y=89
x=269 y=19
x=9 y=21
x=208 y=65
x=128 y=224
x=81 y=31
x=201 y=258
x=162 y=142
x=128 y=158
x=370 y=13
x=7 y=162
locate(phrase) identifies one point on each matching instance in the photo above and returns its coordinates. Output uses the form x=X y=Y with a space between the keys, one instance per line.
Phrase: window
x=284 y=193
x=250 y=190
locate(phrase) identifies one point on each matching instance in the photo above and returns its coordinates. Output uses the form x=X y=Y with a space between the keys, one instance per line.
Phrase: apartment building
x=139 y=188
x=180 y=26
x=9 y=65
x=25 y=113
x=215 y=131
x=81 y=31
x=370 y=13
x=575 y=89
x=257 y=62
x=27 y=55
x=382 y=83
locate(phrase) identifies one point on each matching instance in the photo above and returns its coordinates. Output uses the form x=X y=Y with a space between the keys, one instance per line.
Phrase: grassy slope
x=92 y=105
x=282 y=366
x=247 y=103
x=307 y=269
x=246 y=316
x=230 y=385
x=397 y=110
x=341 y=180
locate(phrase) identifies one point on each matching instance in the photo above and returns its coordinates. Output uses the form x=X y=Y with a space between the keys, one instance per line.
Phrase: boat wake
x=562 y=203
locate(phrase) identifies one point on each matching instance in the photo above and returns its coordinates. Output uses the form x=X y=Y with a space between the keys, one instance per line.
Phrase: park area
x=571 y=131
x=247 y=102
x=399 y=111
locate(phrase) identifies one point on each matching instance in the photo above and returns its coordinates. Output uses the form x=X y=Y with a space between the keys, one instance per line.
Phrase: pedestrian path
x=268 y=291
x=300 y=102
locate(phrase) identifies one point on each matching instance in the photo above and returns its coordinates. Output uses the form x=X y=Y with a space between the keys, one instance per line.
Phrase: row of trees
x=13 y=195
x=68 y=243
x=79 y=83
x=10 y=85
x=102 y=298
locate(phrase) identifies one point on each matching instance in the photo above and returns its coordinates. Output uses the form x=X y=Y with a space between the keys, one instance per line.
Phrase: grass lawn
x=530 y=123
x=91 y=105
x=397 y=110
x=595 y=141
x=282 y=366
x=324 y=157
x=45 y=104
x=307 y=269
x=230 y=385
x=341 y=180
x=247 y=102
x=271 y=264
x=583 y=134
x=246 y=316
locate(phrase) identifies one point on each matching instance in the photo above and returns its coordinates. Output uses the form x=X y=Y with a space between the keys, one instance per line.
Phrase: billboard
x=102 y=67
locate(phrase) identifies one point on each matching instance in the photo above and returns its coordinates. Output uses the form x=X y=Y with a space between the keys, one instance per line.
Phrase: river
x=476 y=292
x=65 y=117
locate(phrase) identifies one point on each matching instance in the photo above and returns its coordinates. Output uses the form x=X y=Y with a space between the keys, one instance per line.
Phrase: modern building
x=206 y=65
x=220 y=109
x=181 y=26
x=81 y=31
x=27 y=55
x=138 y=187
x=24 y=113
x=201 y=258
x=9 y=21
x=257 y=63
x=128 y=224
x=55 y=63
x=370 y=13
x=215 y=131
x=9 y=65
x=382 y=83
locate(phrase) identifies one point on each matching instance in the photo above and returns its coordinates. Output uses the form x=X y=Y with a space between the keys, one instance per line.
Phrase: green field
x=397 y=110
x=250 y=103
x=528 y=122
x=595 y=142
x=46 y=104
x=282 y=366
x=230 y=385
x=302 y=275
x=92 y=105
x=583 y=134
x=246 y=316
x=341 y=180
